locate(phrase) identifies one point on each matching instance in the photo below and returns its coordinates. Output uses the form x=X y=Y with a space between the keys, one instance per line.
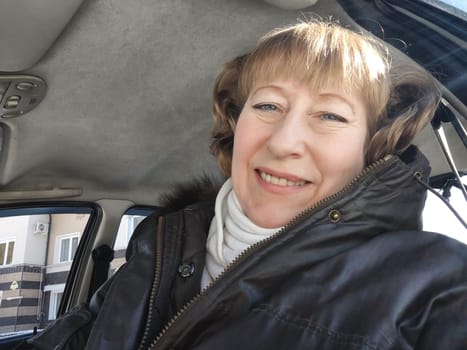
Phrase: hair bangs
x=326 y=57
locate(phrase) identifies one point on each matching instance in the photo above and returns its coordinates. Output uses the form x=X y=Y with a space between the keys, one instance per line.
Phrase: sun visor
x=28 y=28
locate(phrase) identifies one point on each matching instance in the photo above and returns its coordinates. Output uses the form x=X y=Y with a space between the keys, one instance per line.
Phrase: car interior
x=106 y=104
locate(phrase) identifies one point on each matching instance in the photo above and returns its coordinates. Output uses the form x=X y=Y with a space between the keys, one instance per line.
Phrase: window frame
x=7 y=246
x=54 y=303
x=58 y=247
x=78 y=265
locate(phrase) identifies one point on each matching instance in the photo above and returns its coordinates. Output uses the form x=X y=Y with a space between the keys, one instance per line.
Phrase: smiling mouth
x=280 y=181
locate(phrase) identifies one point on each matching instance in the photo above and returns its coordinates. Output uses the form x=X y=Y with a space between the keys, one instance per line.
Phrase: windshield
x=454 y=7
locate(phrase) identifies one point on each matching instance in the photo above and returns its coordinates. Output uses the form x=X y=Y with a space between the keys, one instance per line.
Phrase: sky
x=460 y=4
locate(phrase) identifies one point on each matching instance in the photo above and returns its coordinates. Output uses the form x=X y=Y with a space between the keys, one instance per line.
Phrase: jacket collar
x=385 y=197
x=386 y=194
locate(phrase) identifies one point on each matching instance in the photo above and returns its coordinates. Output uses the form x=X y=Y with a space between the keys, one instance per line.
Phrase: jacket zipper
x=367 y=171
x=155 y=282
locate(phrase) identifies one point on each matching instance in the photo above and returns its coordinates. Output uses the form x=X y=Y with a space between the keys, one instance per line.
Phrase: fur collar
x=201 y=189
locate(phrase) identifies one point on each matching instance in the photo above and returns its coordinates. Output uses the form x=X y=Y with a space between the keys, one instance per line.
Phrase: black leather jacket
x=354 y=272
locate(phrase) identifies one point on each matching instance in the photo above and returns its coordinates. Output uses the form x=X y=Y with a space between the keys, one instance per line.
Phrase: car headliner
x=128 y=107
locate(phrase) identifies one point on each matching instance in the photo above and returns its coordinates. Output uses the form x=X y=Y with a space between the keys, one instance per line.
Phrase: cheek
x=242 y=147
x=344 y=160
x=248 y=139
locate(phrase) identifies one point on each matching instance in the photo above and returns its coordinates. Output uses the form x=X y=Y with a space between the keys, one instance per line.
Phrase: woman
x=313 y=241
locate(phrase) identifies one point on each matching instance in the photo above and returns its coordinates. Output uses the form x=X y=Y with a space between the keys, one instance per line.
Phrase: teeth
x=279 y=180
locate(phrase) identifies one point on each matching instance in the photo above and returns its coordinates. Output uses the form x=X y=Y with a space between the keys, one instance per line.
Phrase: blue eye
x=332 y=117
x=266 y=107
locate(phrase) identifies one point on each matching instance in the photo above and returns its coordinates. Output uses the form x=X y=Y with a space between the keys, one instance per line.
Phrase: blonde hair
x=326 y=55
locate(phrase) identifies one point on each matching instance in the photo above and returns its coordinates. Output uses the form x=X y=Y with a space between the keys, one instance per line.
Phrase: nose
x=288 y=137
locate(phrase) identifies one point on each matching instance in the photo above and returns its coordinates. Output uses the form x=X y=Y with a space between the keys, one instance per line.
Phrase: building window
x=55 y=298
x=6 y=252
x=67 y=248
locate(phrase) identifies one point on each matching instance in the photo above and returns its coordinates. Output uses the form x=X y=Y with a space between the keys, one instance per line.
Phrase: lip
x=287 y=176
x=277 y=189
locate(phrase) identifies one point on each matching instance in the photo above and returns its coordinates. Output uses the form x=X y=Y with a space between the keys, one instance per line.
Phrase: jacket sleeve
x=71 y=330
x=121 y=297
x=446 y=325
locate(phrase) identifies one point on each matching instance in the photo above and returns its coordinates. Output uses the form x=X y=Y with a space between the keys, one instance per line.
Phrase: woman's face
x=293 y=147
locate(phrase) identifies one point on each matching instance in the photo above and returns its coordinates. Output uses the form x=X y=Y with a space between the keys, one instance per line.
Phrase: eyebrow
x=272 y=86
x=339 y=97
x=321 y=95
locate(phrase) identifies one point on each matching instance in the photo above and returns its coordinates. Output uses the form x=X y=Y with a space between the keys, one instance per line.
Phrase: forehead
x=285 y=84
x=317 y=76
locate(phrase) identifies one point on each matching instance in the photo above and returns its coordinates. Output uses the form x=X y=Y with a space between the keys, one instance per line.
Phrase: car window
x=37 y=247
x=437 y=217
x=455 y=7
x=130 y=220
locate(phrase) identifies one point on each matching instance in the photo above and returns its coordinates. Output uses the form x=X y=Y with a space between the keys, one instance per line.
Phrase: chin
x=269 y=221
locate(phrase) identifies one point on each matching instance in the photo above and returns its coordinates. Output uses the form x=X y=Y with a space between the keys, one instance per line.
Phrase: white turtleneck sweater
x=230 y=233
